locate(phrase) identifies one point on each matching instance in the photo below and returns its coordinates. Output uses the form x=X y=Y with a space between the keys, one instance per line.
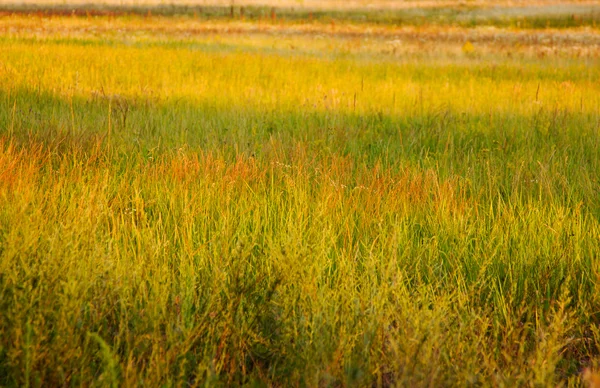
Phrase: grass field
x=199 y=201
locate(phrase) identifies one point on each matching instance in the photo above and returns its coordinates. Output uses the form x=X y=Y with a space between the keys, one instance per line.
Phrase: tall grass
x=185 y=214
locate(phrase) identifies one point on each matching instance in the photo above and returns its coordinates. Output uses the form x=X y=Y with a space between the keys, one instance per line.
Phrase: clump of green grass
x=178 y=215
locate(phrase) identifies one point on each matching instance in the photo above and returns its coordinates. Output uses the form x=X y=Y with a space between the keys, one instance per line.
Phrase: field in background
x=521 y=14
x=320 y=200
x=319 y=4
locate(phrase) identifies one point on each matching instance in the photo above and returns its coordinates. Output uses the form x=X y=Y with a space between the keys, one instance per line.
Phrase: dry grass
x=333 y=4
x=224 y=203
x=402 y=42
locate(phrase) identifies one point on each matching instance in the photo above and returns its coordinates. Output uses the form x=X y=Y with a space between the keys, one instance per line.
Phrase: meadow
x=198 y=201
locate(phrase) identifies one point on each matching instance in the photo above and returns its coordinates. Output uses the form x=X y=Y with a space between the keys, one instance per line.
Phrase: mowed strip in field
x=217 y=202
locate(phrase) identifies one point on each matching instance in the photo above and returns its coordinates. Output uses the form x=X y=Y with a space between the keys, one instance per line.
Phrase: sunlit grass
x=223 y=210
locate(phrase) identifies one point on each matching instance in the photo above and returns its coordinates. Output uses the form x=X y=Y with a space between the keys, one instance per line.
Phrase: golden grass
x=226 y=209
